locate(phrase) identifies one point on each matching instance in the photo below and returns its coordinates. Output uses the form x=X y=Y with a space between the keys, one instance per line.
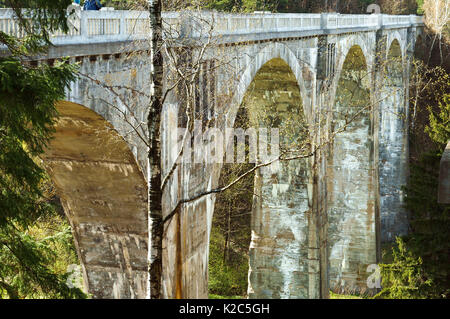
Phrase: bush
x=420 y=261
x=226 y=278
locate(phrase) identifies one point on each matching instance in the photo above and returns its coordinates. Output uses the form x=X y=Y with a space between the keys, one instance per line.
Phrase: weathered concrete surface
x=295 y=252
x=351 y=178
x=98 y=163
x=444 y=177
x=283 y=262
x=104 y=195
x=393 y=141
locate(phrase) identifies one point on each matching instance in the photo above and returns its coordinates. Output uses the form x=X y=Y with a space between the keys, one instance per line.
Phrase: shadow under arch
x=104 y=195
x=395 y=41
x=352 y=179
x=269 y=52
x=345 y=47
x=282 y=237
x=420 y=48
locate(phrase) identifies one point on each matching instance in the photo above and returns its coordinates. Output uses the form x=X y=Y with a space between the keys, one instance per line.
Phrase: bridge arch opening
x=104 y=195
x=420 y=48
x=351 y=179
x=394 y=65
x=277 y=198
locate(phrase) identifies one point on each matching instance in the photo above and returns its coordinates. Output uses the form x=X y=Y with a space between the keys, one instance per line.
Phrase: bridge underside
x=104 y=196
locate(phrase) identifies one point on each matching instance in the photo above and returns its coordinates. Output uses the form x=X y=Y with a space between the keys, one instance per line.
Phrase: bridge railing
x=257 y=23
x=118 y=25
x=338 y=21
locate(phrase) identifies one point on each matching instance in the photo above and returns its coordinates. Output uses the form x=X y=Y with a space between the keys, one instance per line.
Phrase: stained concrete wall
x=103 y=193
x=351 y=179
x=298 y=261
x=97 y=163
x=280 y=251
x=444 y=177
x=393 y=135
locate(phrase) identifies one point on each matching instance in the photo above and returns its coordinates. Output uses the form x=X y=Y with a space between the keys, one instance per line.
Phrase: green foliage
x=420 y=261
x=51 y=236
x=213 y=296
x=439 y=128
x=27 y=113
x=226 y=278
x=404 y=278
x=39 y=18
x=311 y=6
x=337 y=296
x=224 y=5
x=420 y=6
x=231 y=232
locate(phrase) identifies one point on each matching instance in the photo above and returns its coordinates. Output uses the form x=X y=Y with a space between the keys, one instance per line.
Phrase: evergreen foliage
x=27 y=114
x=285 y=6
x=420 y=260
x=439 y=128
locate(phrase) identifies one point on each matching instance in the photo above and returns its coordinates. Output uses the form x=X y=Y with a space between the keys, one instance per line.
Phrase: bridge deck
x=93 y=27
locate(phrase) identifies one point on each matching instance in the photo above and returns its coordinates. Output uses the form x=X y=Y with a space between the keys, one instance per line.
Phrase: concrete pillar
x=393 y=145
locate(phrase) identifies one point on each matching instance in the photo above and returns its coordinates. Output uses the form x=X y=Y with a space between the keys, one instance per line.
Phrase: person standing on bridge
x=92 y=5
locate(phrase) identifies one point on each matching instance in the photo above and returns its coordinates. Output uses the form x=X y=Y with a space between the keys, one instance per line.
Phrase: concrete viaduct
x=316 y=222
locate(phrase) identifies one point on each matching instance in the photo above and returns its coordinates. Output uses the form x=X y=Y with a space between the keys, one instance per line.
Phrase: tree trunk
x=227 y=238
x=156 y=226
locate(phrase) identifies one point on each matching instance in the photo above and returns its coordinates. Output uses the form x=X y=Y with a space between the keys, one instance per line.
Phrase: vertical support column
x=351 y=177
x=123 y=27
x=84 y=25
x=393 y=143
x=320 y=209
x=284 y=252
x=377 y=80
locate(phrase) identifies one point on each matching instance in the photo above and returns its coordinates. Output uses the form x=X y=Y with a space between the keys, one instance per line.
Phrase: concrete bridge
x=316 y=222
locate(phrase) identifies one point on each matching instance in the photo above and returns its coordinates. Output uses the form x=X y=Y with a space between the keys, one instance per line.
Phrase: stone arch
x=186 y=246
x=419 y=46
x=394 y=63
x=271 y=51
x=343 y=47
x=396 y=37
x=281 y=226
x=104 y=195
x=351 y=178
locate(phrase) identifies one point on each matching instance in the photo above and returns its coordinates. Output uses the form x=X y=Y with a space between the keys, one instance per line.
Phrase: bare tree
x=156 y=227
x=437 y=18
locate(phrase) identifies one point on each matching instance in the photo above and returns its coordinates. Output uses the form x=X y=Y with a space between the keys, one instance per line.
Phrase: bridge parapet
x=119 y=25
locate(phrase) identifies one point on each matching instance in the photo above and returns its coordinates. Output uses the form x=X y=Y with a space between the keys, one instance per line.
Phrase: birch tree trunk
x=156 y=225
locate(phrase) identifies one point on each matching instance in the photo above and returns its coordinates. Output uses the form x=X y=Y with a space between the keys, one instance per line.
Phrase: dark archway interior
x=394 y=65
